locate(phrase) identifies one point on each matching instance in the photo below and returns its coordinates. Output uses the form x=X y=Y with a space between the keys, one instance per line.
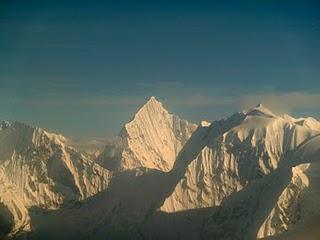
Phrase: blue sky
x=82 y=68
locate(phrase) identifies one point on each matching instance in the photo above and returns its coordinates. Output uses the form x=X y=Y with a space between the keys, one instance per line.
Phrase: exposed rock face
x=152 y=139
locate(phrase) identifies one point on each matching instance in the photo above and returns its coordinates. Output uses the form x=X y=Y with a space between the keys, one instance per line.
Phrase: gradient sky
x=82 y=68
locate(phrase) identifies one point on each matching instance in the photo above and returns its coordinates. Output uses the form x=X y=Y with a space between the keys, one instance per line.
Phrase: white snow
x=153 y=138
x=161 y=161
x=38 y=169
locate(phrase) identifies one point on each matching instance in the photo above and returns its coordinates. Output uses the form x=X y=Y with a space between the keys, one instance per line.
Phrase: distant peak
x=150 y=108
x=153 y=100
x=260 y=110
x=152 y=103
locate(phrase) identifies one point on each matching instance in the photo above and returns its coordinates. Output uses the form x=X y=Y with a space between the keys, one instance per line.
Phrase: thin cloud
x=285 y=102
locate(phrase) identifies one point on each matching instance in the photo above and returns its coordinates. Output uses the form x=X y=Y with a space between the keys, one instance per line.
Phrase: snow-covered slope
x=252 y=175
x=38 y=169
x=152 y=139
x=298 y=203
x=249 y=145
x=308 y=122
x=286 y=200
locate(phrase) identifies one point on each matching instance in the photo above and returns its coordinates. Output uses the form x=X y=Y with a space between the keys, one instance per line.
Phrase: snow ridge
x=253 y=158
x=41 y=171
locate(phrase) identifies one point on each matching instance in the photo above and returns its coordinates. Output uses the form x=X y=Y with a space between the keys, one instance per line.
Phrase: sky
x=82 y=68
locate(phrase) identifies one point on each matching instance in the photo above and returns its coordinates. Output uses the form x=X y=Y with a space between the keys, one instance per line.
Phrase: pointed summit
x=151 y=111
x=152 y=98
x=153 y=103
x=153 y=138
x=152 y=106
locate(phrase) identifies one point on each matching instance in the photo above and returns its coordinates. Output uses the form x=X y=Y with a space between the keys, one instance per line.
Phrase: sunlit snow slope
x=252 y=175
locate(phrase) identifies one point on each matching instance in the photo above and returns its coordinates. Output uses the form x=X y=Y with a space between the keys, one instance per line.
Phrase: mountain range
x=253 y=175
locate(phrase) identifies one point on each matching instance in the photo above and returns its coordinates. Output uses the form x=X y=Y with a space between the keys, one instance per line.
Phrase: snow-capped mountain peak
x=42 y=171
x=260 y=110
x=152 y=106
x=160 y=162
x=153 y=99
x=152 y=139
